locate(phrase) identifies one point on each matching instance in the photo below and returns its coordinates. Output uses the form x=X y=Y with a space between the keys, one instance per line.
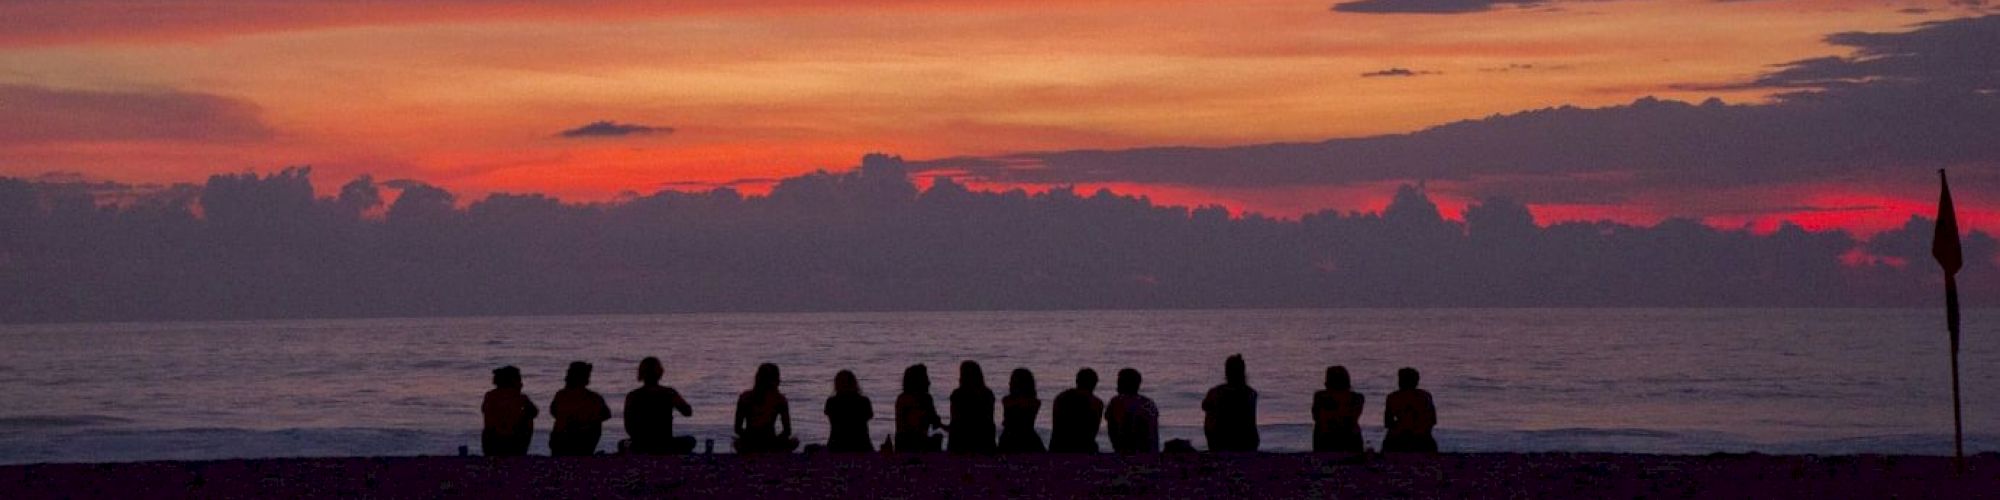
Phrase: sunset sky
x=585 y=100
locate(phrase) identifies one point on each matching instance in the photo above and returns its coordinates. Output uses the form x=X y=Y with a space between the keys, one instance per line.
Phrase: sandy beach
x=936 y=476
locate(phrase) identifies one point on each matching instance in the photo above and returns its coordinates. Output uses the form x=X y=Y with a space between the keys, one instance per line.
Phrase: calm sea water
x=1663 y=381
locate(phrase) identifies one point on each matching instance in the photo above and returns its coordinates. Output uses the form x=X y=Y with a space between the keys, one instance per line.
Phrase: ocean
x=1684 y=381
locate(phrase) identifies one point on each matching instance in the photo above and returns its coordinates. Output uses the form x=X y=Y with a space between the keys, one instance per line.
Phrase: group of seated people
x=763 y=421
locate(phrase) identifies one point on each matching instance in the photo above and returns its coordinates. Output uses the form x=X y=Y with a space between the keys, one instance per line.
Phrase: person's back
x=1230 y=422
x=1408 y=416
x=1074 y=416
x=971 y=412
x=764 y=416
x=1018 y=411
x=916 y=413
x=1337 y=415
x=847 y=416
x=1132 y=421
x=649 y=414
x=509 y=416
x=579 y=415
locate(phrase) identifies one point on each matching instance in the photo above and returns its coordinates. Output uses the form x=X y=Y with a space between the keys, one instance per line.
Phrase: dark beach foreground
x=1172 y=475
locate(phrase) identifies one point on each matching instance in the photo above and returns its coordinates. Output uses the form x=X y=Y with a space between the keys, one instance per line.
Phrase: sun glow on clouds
x=468 y=96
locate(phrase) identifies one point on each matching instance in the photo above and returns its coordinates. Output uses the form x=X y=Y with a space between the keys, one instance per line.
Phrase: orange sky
x=471 y=95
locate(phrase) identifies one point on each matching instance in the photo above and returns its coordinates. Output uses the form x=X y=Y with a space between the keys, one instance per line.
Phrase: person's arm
x=628 y=415
x=1208 y=401
x=742 y=417
x=784 y=417
x=1389 y=413
x=681 y=405
x=603 y=410
x=931 y=415
x=1430 y=414
x=532 y=410
x=867 y=410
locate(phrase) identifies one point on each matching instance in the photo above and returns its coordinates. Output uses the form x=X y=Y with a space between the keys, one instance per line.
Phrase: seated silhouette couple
x=510 y=416
x=1408 y=417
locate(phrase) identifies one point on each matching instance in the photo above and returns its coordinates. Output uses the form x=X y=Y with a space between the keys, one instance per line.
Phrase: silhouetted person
x=649 y=414
x=916 y=413
x=580 y=414
x=1409 y=416
x=1074 y=417
x=1017 y=414
x=1231 y=421
x=848 y=413
x=509 y=415
x=1130 y=420
x=763 y=416
x=1337 y=414
x=971 y=412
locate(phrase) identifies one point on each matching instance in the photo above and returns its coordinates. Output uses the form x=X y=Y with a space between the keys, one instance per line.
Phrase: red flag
x=1944 y=244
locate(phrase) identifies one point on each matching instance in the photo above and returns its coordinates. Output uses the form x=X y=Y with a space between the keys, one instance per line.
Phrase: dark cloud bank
x=250 y=246
x=1900 y=106
x=41 y=114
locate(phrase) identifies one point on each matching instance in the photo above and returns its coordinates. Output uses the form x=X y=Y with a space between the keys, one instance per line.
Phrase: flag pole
x=1957 y=415
x=1945 y=247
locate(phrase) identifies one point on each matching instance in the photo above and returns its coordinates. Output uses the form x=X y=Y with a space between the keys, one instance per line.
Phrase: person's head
x=1232 y=370
x=845 y=383
x=507 y=377
x=969 y=374
x=579 y=375
x=1406 y=378
x=1086 y=379
x=1128 y=381
x=917 y=379
x=650 y=370
x=767 y=378
x=1337 y=379
x=1021 y=383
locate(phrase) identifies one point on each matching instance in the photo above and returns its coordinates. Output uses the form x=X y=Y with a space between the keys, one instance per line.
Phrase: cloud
x=1431 y=6
x=1512 y=67
x=59 y=22
x=867 y=239
x=36 y=114
x=1903 y=103
x=1396 y=72
x=607 y=128
x=1956 y=54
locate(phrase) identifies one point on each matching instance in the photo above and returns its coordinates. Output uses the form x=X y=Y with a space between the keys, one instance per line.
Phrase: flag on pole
x=1944 y=244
